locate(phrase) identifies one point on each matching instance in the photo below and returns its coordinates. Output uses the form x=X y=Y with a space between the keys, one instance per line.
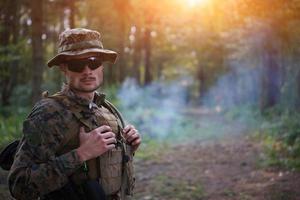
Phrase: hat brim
x=104 y=54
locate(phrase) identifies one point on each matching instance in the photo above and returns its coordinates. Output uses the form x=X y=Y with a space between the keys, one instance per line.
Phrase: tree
x=271 y=72
x=37 y=47
x=148 y=50
x=137 y=53
x=123 y=9
x=9 y=48
x=71 y=7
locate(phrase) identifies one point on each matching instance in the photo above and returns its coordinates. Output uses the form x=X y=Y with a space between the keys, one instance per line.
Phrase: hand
x=95 y=142
x=132 y=137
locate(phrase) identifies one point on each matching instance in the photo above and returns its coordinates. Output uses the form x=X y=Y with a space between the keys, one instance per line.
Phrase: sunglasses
x=78 y=65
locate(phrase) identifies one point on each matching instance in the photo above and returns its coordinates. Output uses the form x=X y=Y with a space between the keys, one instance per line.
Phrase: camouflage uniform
x=40 y=165
x=46 y=159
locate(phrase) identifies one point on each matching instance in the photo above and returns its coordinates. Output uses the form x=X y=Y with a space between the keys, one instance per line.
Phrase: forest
x=213 y=81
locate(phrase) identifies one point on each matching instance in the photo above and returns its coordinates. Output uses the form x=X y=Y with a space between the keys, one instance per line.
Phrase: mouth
x=88 y=79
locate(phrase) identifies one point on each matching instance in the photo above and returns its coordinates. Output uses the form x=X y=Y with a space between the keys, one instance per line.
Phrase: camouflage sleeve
x=36 y=169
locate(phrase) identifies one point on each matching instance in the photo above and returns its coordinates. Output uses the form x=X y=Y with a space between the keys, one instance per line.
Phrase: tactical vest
x=114 y=168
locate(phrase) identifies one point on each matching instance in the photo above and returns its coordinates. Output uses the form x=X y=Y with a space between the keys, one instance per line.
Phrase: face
x=86 y=81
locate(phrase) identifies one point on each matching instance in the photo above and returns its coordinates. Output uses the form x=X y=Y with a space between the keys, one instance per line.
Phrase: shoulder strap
x=75 y=110
x=114 y=110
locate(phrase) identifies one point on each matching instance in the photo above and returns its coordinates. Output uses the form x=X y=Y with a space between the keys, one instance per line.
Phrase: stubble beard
x=82 y=90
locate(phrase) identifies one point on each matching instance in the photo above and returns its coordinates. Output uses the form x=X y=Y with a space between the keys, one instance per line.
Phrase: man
x=75 y=143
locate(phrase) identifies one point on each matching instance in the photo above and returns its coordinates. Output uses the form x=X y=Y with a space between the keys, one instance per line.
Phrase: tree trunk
x=122 y=66
x=202 y=82
x=71 y=6
x=159 y=70
x=123 y=9
x=37 y=48
x=298 y=91
x=9 y=34
x=147 y=46
x=271 y=75
x=137 y=54
x=4 y=43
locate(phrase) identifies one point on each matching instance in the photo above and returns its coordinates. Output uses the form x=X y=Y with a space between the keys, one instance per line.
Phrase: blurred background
x=188 y=71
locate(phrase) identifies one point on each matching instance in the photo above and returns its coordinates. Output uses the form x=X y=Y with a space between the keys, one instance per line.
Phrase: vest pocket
x=129 y=172
x=111 y=171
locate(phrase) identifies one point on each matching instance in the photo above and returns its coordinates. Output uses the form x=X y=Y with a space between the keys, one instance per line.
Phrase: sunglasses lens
x=79 y=65
x=94 y=64
x=76 y=65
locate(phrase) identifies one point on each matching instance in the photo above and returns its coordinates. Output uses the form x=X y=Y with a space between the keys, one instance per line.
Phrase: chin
x=88 y=89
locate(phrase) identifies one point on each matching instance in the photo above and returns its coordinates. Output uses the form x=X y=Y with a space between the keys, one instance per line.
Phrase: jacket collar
x=98 y=100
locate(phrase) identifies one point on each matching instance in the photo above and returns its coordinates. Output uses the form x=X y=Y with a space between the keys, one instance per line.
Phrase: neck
x=85 y=95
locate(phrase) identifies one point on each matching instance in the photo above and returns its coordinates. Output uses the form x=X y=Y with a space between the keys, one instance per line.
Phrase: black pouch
x=93 y=190
x=68 y=192
x=8 y=154
x=89 y=190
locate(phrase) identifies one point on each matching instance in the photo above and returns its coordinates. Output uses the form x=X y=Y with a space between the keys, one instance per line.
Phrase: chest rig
x=114 y=168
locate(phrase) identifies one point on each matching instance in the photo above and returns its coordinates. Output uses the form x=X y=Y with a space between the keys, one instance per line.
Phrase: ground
x=228 y=168
x=222 y=169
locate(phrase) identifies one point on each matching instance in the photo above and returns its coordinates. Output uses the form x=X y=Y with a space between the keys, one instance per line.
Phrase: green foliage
x=247 y=114
x=20 y=100
x=151 y=149
x=282 y=140
x=9 y=54
x=10 y=128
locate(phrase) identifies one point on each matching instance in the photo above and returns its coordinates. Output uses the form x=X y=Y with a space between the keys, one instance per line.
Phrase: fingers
x=111 y=141
x=102 y=132
x=103 y=129
x=107 y=135
x=128 y=128
x=132 y=135
x=110 y=146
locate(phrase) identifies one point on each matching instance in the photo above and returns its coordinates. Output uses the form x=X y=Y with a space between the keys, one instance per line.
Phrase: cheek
x=100 y=74
x=71 y=79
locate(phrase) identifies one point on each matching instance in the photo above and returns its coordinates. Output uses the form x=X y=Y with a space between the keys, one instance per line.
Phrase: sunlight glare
x=193 y=3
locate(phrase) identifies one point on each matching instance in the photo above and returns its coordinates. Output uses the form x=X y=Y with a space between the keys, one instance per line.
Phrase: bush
x=283 y=140
x=10 y=128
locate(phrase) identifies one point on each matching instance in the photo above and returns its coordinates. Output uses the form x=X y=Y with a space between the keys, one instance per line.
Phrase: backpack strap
x=115 y=111
x=76 y=111
x=128 y=179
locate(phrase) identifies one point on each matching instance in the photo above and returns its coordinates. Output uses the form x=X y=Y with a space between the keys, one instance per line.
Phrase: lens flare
x=193 y=3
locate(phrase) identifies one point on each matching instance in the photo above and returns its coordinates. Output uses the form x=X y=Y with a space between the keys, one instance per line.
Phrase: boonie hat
x=80 y=43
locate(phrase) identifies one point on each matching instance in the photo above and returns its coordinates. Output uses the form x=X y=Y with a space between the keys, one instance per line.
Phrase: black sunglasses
x=78 y=65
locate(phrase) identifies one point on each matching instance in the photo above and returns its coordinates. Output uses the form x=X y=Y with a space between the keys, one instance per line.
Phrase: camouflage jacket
x=37 y=168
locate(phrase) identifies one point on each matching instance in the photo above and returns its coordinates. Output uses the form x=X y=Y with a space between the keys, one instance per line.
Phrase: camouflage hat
x=80 y=43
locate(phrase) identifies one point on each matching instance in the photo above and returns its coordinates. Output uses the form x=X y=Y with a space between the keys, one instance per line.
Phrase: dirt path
x=215 y=170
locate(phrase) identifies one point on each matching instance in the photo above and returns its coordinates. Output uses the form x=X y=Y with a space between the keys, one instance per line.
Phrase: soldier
x=74 y=144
